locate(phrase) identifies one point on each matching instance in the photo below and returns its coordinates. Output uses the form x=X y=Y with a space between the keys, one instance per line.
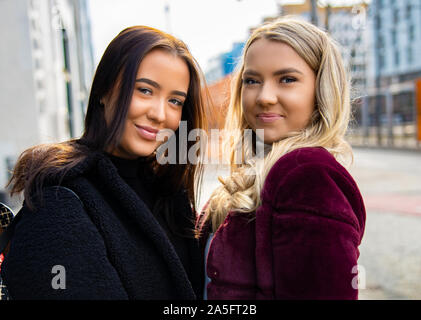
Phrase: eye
x=288 y=79
x=177 y=102
x=249 y=81
x=145 y=91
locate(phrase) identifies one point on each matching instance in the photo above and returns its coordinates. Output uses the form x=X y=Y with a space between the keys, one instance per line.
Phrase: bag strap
x=7 y=234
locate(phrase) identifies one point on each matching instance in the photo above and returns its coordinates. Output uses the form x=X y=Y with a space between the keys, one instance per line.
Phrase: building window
x=411 y=33
x=397 y=58
x=410 y=55
x=408 y=11
x=10 y=164
x=34 y=24
x=38 y=64
x=39 y=85
x=382 y=62
x=35 y=43
x=395 y=16
x=378 y=22
x=394 y=39
x=380 y=42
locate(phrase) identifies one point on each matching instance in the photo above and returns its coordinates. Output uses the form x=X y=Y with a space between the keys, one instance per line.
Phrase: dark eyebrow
x=156 y=85
x=276 y=73
x=179 y=93
x=148 y=81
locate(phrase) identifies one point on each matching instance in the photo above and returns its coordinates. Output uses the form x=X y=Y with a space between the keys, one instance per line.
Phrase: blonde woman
x=287 y=226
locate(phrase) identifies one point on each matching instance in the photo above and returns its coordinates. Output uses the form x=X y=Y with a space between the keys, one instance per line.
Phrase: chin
x=144 y=150
x=269 y=139
x=145 y=153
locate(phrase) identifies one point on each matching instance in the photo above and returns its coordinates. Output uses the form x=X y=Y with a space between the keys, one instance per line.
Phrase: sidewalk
x=390 y=182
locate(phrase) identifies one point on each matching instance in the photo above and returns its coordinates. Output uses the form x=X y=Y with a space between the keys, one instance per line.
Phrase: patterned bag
x=7 y=224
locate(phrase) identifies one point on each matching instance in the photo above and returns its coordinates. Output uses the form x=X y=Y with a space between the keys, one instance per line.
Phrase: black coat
x=108 y=241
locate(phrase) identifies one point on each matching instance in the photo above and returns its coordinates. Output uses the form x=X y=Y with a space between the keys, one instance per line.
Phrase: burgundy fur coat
x=303 y=242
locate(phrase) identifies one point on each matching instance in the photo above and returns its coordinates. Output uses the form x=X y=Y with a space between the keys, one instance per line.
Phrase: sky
x=208 y=27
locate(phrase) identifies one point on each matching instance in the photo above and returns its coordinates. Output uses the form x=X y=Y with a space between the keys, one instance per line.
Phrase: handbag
x=8 y=221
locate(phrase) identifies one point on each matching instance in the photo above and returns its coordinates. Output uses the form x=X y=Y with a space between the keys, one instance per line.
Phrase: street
x=390 y=252
x=390 y=182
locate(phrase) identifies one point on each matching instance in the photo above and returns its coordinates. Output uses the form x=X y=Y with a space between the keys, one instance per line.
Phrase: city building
x=46 y=67
x=388 y=111
x=218 y=78
x=224 y=64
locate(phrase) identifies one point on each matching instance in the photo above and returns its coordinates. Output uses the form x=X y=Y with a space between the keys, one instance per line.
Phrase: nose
x=267 y=95
x=156 y=111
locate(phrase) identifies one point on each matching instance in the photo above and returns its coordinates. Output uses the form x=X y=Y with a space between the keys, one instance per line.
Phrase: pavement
x=390 y=252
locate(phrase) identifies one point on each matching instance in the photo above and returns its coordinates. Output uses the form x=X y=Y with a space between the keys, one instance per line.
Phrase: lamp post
x=314 y=18
x=378 y=52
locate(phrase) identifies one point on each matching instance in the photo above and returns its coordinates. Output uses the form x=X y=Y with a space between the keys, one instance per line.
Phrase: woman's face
x=160 y=91
x=278 y=89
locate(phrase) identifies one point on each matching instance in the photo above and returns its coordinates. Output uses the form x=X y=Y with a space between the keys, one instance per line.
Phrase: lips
x=147 y=132
x=269 y=117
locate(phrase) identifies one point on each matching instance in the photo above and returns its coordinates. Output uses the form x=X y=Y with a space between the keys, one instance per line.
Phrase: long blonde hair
x=240 y=192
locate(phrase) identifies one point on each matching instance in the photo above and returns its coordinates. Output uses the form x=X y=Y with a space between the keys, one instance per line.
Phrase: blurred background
x=50 y=48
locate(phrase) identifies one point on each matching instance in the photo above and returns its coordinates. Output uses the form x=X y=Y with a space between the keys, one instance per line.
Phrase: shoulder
x=311 y=180
x=312 y=163
x=304 y=156
x=58 y=232
x=56 y=209
x=55 y=205
x=304 y=161
x=60 y=194
x=59 y=215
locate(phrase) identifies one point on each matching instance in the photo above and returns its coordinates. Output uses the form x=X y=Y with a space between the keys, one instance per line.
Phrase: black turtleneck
x=136 y=173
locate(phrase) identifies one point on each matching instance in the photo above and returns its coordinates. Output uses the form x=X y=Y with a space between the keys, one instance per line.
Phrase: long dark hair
x=115 y=76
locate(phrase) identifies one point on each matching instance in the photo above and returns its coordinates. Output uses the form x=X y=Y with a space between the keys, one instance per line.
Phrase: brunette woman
x=287 y=226
x=101 y=209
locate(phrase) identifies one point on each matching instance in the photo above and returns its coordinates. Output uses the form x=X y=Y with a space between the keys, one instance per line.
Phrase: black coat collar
x=133 y=206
